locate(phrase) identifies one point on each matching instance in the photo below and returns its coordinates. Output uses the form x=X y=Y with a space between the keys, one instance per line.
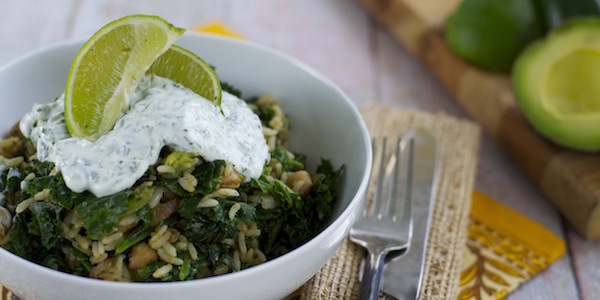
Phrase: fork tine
x=379 y=192
x=386 y=201
x=396 y=180
x=366 y=211
x=404 y=152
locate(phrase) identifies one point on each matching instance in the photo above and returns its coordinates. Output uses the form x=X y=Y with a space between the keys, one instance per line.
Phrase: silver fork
x=386 y=229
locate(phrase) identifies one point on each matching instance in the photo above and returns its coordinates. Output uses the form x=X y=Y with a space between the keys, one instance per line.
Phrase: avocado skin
x=578 y=133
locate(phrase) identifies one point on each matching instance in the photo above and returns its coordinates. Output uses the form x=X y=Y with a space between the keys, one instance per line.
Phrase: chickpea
x=5 y=219
x=141 y=255
x=300 y=182
x=230 y=178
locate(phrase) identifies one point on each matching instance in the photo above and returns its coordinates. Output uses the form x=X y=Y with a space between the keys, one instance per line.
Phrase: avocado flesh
x=557 y=85
x=572 y=85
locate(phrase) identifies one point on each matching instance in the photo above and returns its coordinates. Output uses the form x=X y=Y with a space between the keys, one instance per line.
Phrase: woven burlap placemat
x=458 y=145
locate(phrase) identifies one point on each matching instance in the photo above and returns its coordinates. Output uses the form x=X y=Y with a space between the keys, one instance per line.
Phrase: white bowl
x=325 y=125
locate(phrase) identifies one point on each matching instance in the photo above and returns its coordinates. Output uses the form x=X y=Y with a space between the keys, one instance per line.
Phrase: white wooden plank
x=404 y=81
x=586 y=262
x=555 y=283
x=330 y=36
x=93 y=14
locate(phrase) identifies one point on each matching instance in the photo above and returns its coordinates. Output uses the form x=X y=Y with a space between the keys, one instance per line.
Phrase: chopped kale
x=297 y=219
x=186 y=271
x=101 y=215
x=12 y=180
x=275 y=187
x=145 y=274
x=264 y=113
x=46 y=223
x=135 y=236
x=208 y=175
x=247 y=212
x=210 y=224
x=53 y=261
x=231 y=89
x=288 y=164
x=77 y=262
x=140 y=198
x=60 y=194
x=188 y=207
x=145 y=214
x=20 y=241
x=325 y=188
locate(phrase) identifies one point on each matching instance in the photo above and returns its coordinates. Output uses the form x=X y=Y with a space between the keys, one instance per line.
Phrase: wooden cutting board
x=570 y=179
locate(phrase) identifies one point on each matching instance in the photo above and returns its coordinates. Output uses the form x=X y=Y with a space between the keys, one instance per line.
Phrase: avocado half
x=556 y=82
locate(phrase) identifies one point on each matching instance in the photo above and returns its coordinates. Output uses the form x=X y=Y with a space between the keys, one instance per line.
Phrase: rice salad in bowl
x=184 y=196
x=185 y=218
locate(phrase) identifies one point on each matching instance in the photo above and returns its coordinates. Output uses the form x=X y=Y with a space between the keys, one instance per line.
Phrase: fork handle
x=372 y=273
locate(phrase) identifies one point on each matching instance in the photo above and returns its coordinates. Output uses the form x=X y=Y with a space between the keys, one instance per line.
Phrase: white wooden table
x=339 y=39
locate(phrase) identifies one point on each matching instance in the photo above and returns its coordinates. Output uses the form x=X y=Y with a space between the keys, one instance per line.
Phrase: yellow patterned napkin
x=504 y=249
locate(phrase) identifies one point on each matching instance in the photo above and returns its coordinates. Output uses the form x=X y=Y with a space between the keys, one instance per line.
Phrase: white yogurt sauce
x=162 y=113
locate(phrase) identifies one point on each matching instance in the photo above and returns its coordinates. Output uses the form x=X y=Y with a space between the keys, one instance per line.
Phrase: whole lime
x=491 y=33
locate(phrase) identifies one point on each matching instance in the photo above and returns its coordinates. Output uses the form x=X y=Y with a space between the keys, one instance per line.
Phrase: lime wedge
x=107 y=68
x=189 y=70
